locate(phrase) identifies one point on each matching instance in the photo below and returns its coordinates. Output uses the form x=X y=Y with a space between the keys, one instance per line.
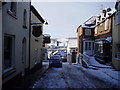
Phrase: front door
x=88 y=47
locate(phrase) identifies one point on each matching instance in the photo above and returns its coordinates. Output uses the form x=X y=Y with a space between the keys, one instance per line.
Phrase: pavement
x=27 y=81
x=75 y=76
x=96 y=76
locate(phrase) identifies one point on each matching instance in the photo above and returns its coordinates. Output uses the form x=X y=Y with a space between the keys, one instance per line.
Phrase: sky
x=64 y=17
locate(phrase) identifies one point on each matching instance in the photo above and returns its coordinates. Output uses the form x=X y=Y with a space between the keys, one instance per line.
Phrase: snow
x=76 y=76
x=105 y=74
x=105 y=69
x=85 y=26
x=93 y=62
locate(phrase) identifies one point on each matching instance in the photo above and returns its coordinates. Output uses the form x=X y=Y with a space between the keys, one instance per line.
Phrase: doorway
x=88 y=47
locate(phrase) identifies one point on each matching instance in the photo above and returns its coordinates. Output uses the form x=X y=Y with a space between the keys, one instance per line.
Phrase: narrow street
x=73 y=76
x=59 y=44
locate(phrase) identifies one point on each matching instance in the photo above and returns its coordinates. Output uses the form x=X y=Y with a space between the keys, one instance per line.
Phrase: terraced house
x=86 y=36
x=103 y=36
x=15 y=27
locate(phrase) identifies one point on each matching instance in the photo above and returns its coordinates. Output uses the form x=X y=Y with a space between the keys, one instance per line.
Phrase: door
x=88 y=47
x=23 y=56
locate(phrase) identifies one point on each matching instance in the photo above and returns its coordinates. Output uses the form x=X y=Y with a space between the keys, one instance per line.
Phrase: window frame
x=12 y=54
x=87 y=32
x=117 y=18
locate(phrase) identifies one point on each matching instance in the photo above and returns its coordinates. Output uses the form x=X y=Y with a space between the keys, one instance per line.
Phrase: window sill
x=24 y=26
x=8 y=72
x=11 y=14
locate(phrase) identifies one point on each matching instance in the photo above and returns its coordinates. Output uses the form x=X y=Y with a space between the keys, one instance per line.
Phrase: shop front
x=103 y=50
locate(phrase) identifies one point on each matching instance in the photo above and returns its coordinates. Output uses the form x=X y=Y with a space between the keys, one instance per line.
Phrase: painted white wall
x=72 y=42
x=14 y=27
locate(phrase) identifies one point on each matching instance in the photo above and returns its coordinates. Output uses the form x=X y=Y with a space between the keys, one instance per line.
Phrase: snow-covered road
x=75 y=76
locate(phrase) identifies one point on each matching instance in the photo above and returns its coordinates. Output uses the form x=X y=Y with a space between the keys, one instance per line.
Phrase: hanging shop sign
x=37 y=31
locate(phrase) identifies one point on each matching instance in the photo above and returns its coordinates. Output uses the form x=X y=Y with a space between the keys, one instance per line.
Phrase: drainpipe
x=29 y=33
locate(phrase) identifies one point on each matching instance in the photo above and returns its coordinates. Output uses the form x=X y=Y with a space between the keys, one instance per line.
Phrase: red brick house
x=86 y=36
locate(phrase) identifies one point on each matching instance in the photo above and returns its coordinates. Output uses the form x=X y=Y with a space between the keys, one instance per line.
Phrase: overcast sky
x=65 y=17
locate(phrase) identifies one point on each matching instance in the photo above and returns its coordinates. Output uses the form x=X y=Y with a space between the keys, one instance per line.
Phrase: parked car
x=63 y=55
x=55 y=61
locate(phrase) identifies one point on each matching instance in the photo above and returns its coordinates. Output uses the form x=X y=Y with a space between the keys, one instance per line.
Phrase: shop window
x=86 y=45
x=99 y=47
x=89 y=45
x=117 y=53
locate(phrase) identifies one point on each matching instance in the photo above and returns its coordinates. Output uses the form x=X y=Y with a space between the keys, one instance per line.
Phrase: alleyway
x=75 y=76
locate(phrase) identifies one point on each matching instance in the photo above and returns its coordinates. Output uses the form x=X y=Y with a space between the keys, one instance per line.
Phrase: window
x=25 y=19
x=86 y=45
x=117 y=52
x=117 y=17
x=96 y=30
x=92 y=45
x=36 y=56
x=8 y=52
x=13 y=8
x=106 y=24
x=87 y=31
x=89 y=45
